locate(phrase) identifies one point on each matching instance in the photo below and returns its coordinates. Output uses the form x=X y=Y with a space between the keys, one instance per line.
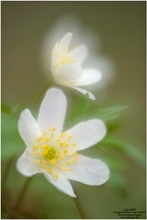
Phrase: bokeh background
x=120 y=29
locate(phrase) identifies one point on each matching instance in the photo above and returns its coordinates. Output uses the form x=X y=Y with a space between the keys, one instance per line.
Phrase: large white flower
x=66 y=66
x=52 y=152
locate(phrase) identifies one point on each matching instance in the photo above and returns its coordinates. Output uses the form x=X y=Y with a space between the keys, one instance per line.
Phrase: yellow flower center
x=49 y=153
x=64 y=59
x=54 y=153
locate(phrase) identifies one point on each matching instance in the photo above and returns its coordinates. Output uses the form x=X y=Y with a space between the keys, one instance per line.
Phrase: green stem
x=4 y=181
x=6 y=173
x=80 y=208
x=39 y=96
x=22 y=193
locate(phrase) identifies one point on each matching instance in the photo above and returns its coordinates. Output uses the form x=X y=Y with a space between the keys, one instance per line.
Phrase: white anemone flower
x=52 y=152
x=66 y=66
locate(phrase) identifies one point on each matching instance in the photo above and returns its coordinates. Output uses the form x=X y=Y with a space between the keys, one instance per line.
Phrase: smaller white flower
x=52 y=152
x=66 y=66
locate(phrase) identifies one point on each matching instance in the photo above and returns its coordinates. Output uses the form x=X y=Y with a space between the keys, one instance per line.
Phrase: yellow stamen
x=39 y=139
x=68 y=163
x=53 y=129
x=59 y=139
x=65 y=144
x=49 y=170
x=65 y=151
x=56 y=175
x=64 y=59
x=52 y=135
x=47 y=139
x=44 y=132
x=49 y=155
x=62 y=135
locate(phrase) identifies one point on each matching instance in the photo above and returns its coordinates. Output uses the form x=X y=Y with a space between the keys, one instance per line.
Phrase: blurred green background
x=121 y=29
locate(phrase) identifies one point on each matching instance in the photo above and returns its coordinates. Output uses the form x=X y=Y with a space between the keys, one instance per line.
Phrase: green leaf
x=126 y=147
x=13 y=110
x=17 y=215
x=115 y=164
x=117 y=183
x=108 y=113
x=80 y=109
x=6 y=108
x=8 y=121
x=83 y=110
x=11 y=141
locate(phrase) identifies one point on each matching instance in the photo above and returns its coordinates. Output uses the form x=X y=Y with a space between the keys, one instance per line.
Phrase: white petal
x=26 y=165
x=89 y=171
x=28 y=128
x=55 y=54
x=65 y=41
x=68 y=73
x=52 y=110
x=90 y=76
x=79 y=53
x=61 y=184
x=86 y=134
x=84 y=91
